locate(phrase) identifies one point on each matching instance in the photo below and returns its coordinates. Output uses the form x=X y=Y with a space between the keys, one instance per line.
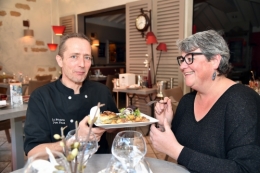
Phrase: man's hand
x=84 y=129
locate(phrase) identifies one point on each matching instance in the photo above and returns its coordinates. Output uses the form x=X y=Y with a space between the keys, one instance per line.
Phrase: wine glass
x=47 y=161
x=86 y=148
x=129 y=148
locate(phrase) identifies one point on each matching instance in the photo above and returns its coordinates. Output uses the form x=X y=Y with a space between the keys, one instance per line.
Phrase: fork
x=154 y=101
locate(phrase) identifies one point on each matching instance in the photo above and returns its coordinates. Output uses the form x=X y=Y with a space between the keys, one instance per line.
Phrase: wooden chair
x=35 y=84
x=5 y=125
x=175 y=94
x=110 y=84
x=43 y=77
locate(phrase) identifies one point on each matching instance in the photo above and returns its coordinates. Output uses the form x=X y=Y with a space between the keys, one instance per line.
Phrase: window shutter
x=169 y=27
x=69 y=22
x=136 y=48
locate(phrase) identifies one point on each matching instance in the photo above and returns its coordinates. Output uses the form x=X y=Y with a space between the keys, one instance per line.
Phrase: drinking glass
x=86 y=149
x=47 y=161
x=129 y=148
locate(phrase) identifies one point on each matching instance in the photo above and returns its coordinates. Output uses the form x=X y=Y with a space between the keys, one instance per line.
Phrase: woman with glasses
x=216 y=128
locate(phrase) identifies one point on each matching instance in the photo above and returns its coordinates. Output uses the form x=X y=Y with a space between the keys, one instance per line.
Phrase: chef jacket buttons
x=71 y=121
x=69 y=97
x=86 y=96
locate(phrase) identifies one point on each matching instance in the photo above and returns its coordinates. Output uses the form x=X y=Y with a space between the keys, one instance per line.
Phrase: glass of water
x=129 y=148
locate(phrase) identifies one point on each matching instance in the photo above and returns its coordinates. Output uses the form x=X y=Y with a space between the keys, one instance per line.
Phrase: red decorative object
x=52 y=46
x=150 y=38
x=58 y=30
x=162 y=47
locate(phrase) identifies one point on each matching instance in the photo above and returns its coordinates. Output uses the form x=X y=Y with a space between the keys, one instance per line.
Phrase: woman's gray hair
x=62 y=46
x=210 y=43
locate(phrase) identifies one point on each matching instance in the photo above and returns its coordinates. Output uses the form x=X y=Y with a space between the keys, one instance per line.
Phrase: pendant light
x=58 y=30
x=52 y=46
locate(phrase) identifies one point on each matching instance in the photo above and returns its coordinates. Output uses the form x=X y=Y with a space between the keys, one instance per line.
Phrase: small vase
x=149 y=80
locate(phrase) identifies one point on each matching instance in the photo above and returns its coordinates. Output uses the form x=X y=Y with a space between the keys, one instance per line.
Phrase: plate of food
x=127 y=117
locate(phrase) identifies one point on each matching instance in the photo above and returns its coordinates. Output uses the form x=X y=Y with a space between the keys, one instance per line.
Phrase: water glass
x=129 y=148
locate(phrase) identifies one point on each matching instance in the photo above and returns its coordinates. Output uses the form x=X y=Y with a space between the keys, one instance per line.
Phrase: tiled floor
x=5 y=151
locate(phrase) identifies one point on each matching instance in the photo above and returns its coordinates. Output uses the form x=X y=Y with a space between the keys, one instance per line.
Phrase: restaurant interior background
x=240 y=20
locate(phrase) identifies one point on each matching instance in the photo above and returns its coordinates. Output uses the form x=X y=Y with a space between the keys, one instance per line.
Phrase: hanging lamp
x=58 y=30
x=52 y=46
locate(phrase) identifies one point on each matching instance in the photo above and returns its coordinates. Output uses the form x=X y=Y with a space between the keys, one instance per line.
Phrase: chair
x=5 y=125
x=35 y=84
x=43 y=77
x=109 y=82
x=175 y=92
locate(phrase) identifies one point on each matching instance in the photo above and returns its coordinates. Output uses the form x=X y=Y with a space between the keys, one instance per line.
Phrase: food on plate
x=107 y=117
x=126 y=115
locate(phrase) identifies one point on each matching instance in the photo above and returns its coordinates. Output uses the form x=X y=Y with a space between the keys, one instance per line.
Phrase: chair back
x=176 y=93
x=109 y=82
x=43 y=77
x=33 y=84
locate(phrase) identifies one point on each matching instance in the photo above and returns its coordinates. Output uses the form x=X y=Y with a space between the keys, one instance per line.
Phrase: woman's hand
x=163 y=109
x=165 y=141
x=84 y=129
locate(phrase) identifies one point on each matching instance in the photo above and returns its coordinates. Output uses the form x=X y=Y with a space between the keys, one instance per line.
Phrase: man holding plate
x=66 y=100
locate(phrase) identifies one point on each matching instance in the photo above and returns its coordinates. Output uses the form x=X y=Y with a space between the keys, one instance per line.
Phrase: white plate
x=3 y=106
x=134 y=124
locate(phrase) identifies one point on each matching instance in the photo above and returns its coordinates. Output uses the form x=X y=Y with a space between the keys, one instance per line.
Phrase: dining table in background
x=16 y=118
x=132 y=92
x=98 y=162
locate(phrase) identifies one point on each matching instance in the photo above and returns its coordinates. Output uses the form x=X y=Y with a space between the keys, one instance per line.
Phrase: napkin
x=2 y=102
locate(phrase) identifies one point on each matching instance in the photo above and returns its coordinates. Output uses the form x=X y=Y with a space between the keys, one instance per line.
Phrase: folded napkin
x=2 y=102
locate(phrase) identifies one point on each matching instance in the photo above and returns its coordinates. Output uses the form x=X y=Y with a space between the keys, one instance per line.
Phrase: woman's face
x=198 y=72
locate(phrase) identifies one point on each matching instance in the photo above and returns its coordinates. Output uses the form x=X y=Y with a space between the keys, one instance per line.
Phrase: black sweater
x=227 y=139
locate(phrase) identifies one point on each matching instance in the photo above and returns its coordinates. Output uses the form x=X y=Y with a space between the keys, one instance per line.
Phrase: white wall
x=13 y=57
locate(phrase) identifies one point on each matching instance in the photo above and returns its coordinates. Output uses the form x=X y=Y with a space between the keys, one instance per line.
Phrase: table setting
x=128 y=152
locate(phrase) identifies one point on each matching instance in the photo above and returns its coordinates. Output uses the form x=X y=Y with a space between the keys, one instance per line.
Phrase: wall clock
x=142 y=22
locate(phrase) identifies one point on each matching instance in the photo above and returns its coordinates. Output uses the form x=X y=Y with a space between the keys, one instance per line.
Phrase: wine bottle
x=149 y=80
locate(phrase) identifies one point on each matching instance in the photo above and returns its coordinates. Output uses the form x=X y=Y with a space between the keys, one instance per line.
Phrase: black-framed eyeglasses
x=188 y=58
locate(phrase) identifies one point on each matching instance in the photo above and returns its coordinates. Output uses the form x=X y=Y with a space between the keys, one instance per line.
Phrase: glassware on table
x=129 y=148
x=47 y=161
x=115 y=166
x=91 y=146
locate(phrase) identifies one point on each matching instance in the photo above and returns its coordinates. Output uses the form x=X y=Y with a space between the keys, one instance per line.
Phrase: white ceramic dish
x=130 y=124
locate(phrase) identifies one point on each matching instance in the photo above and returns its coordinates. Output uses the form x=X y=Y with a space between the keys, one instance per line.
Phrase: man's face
x=76 y=60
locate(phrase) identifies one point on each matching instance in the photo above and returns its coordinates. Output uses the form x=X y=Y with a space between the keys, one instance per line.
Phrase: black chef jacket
x=53 y=106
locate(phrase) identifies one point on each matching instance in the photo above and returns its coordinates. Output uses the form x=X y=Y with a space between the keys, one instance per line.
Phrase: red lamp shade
x=58 y=30
x=52 y=46
x=162 y=47
x=150 y=38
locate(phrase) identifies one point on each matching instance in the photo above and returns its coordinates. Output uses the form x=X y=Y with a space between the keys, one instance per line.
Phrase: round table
x=99 y=162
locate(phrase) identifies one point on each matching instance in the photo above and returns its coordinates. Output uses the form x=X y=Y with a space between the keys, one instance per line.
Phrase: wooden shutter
x=136 y=48
x=69 y=22
x=168 y=26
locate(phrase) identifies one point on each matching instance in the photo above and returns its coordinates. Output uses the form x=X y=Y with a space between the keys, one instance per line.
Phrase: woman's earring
x=214 y=75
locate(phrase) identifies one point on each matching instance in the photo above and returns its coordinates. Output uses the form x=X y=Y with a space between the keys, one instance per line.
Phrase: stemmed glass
x=91 y=146
x=47 y=161
x=129 y=148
